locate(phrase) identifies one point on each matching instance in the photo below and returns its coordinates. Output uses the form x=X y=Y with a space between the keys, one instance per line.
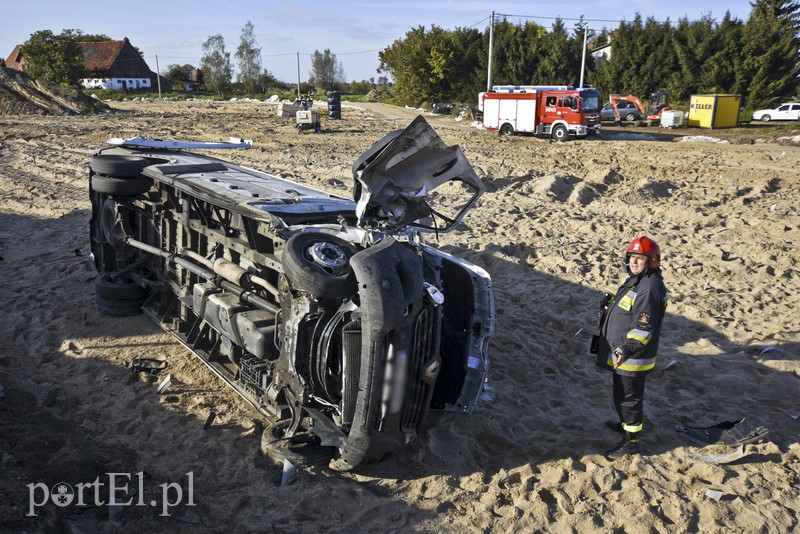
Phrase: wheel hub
x=328 y=256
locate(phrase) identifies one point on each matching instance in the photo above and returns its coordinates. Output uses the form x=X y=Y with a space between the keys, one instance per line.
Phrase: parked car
x=784 y=112
x=332 y=316
x=627 y=111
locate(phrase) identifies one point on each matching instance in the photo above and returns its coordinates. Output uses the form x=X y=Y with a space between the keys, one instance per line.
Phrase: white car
x=785 y=112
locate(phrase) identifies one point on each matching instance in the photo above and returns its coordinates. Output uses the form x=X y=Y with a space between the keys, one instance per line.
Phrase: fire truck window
x=551 y=101
x=570 y=102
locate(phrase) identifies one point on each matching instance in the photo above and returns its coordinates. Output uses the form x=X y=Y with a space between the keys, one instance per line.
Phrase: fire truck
x=555 y=111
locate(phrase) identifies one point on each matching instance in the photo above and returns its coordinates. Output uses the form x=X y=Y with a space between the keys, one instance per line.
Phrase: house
x=602 y=52
x=14 y=61
x=108 y=65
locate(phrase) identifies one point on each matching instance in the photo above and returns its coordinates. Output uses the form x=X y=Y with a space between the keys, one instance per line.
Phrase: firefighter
x=630 y=326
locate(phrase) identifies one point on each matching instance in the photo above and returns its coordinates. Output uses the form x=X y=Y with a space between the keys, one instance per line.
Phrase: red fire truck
x=555 y=111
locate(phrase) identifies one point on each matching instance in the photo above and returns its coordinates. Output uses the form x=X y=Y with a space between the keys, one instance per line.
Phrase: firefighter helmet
x=648 y=247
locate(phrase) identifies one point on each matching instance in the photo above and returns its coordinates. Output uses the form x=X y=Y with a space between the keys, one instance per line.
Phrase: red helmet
x=648 y=247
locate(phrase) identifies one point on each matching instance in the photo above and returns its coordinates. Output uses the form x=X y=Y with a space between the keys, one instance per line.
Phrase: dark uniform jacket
x=633 y=324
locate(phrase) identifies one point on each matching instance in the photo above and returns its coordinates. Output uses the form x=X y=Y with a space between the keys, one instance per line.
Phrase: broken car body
x=331 y=316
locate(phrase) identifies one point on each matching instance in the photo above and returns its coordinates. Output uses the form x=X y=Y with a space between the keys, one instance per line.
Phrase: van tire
x=121 y=186
x=118 y=165
x=308 y=275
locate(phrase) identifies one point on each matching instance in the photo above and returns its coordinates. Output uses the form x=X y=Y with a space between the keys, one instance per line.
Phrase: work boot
x=616 y=426
x=626 y=446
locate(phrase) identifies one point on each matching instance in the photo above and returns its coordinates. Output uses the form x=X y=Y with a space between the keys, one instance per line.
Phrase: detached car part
x=331 y=316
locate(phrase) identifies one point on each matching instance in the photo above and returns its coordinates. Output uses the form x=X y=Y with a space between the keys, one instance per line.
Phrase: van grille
x=418 y=390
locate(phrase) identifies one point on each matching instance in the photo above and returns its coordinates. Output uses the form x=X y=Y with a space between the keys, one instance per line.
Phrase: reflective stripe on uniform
x=626 y=302
x=632 y=428
x=642 y=336
x=634 y=365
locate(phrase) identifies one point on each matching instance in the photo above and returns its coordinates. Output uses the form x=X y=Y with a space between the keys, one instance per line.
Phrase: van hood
x=395 y=177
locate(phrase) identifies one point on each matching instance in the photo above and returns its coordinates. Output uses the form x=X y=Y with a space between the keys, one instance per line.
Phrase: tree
x=326 y=72
x=179 y=75
x=55 y=58
x=265 y=79
x=468 y=75
x=249 y=55
x=559 y=61
x=770 y=43
x=421 y=65
x=642 y=60
x=216 y=62
x=94 y=38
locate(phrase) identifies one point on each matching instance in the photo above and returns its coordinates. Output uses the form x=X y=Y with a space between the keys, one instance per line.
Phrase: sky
x=173 y=31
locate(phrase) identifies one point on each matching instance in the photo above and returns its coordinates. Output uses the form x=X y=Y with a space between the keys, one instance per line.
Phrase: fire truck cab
x=555 y=111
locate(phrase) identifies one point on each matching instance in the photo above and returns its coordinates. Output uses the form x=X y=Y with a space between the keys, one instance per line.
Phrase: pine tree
x=770 y=45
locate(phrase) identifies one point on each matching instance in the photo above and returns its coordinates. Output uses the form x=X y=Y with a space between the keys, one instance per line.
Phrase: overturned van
x=331 y=316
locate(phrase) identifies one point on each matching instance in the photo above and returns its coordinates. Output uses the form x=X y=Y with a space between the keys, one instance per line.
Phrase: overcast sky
x=174 y=30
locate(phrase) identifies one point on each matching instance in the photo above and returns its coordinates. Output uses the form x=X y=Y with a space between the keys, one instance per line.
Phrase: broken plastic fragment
x=767 y=349
x=724 y=458
x=289 y=472
x=714 y=494
x=162 y=387
x=671 y=364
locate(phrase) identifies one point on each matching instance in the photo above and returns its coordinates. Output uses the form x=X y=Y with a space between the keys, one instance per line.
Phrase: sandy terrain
x=551 y=231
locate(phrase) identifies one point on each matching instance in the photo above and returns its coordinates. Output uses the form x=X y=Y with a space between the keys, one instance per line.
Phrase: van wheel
x=320 y=264
x=630 y=117
x=121 y=186
x=506 y=130
x=118 y=297
x=560 y=133
x=118 y=165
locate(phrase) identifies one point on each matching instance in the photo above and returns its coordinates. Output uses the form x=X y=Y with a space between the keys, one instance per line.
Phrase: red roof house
x=108 y=64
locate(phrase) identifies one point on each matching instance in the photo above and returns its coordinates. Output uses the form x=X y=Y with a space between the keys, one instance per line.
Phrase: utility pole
x=491 y=45
x=158 y=77
x=583 y=25
x=583 y=58
x=298 y=75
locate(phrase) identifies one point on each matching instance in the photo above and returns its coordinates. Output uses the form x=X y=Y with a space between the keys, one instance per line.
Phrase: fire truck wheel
x=506 y=130
x=560 y=133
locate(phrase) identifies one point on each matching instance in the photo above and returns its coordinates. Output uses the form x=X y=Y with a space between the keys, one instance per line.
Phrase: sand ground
x=551 y=230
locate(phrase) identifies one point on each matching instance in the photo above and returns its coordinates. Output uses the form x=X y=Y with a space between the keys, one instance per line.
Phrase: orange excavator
x=657 y=104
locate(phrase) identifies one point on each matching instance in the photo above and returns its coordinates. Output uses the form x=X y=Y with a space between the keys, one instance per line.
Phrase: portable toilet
x=714 y=111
